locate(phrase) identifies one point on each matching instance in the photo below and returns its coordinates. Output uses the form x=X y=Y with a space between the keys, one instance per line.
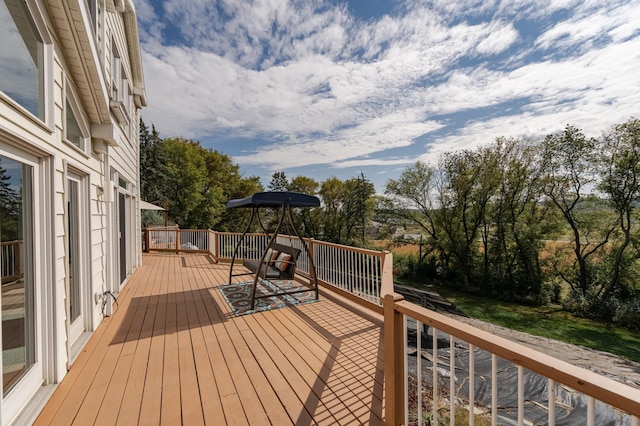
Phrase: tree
x=518 y=222
x=310 y=220
x=187 y=177
x=413 y=199
x=279 y=182
x=357 y=208
x=10 y=207
x=331 y=192
x=569 y=171
x=620 y=182
x=153 y=165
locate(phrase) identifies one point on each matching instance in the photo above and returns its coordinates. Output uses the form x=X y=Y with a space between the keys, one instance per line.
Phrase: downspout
x=108 y=200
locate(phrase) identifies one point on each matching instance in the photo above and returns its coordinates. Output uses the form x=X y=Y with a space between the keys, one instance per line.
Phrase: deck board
x=174 y=353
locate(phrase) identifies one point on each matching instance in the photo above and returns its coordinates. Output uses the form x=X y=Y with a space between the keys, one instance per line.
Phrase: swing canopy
x=275 y=199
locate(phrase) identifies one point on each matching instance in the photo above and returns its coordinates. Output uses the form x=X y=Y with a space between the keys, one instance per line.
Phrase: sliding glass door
x=77 y=291
x=21 y=366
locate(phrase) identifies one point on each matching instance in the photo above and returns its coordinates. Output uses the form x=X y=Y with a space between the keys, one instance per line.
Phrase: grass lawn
x=547 y=321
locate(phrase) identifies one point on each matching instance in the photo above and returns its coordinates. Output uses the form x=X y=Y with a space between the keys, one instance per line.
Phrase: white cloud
x=320 y=87
x=498 y=41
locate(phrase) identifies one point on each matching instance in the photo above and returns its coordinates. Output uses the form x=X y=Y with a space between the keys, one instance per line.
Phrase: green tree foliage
x=310 y=220
x=153 y=165
x=512 y=239
x=331 y=192
x=279 y=182
x=195 y=182
x=10 y=208
x=569 y=167
x=480 y=213
x=487 y=212
x=620 y=182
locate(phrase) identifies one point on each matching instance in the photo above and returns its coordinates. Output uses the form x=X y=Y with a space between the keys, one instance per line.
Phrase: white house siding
x=55 y=159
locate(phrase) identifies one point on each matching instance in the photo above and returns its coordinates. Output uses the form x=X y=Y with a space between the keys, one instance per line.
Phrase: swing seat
x=280 y=266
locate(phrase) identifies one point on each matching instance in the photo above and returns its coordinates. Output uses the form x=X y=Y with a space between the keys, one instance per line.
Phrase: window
x=76 y=130
x=93 y=13
x=21 y=58
x=73 y=133
x=116 y=74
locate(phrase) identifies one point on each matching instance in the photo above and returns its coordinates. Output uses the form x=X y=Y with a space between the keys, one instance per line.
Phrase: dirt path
x=613 y=366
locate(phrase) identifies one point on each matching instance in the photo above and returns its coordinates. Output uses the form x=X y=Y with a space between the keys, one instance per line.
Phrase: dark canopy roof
x=275 y=199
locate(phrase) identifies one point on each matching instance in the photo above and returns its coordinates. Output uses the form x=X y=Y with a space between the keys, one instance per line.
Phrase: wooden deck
x=173 y=353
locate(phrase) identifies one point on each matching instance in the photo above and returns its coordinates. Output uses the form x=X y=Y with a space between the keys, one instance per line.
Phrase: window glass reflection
x=18 y=335
x=20 y=57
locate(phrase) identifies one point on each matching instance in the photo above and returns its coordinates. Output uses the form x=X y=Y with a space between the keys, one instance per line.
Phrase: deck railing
x=356 y=272
x=11 y=260
x=467 y=370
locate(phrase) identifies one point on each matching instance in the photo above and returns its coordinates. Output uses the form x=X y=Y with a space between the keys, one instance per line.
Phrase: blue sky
x=327 y=88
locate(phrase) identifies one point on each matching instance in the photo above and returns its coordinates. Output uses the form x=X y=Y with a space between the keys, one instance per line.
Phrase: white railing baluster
x=591 y=411
x=434 y=331
x=405 y=373
x=552 y=403
x=419 y=369
x=494 y=390
x=520 y=396
x=472 y=385
x=452 y=380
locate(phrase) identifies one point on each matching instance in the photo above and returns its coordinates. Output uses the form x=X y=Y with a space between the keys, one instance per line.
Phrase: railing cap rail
x=617 y=394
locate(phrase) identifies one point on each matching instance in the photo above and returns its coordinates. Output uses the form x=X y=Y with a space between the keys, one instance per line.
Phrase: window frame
x=73 y=101
x=45 y=116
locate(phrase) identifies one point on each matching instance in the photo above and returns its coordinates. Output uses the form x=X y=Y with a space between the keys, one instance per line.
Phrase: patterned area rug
x=238 y=296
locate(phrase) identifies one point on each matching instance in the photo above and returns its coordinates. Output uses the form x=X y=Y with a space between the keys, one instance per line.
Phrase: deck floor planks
x=214 y=338
x=246 y=393
x=132 y=398
x=318 y=373
x=115 y=392
x=308 y=346
x=74 y=385
x=184 y=354
x=152 y=395
x=274 y=410
x=188 y=381
x=278 y=364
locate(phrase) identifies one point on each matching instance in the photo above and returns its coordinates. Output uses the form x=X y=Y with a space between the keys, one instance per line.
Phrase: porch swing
x=277 y=261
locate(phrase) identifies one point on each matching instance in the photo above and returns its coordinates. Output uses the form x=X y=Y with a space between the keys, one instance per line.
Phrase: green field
x=547 y=321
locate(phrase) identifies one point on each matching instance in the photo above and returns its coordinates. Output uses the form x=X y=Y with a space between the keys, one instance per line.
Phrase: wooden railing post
x=147 y=240
x=216 y=245
x=178 y=241
x=394 y=376
x=386 y=279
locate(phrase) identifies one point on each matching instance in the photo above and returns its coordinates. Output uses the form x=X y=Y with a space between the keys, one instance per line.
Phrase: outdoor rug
x=238 y=296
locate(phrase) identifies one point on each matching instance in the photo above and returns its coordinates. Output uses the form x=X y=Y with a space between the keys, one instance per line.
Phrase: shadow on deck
x=174 y=353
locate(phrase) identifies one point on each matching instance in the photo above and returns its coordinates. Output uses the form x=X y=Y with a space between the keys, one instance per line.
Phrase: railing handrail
x=616 y=394
x=344 y=247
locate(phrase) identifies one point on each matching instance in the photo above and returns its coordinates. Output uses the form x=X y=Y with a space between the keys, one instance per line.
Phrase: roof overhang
x=148 y=206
